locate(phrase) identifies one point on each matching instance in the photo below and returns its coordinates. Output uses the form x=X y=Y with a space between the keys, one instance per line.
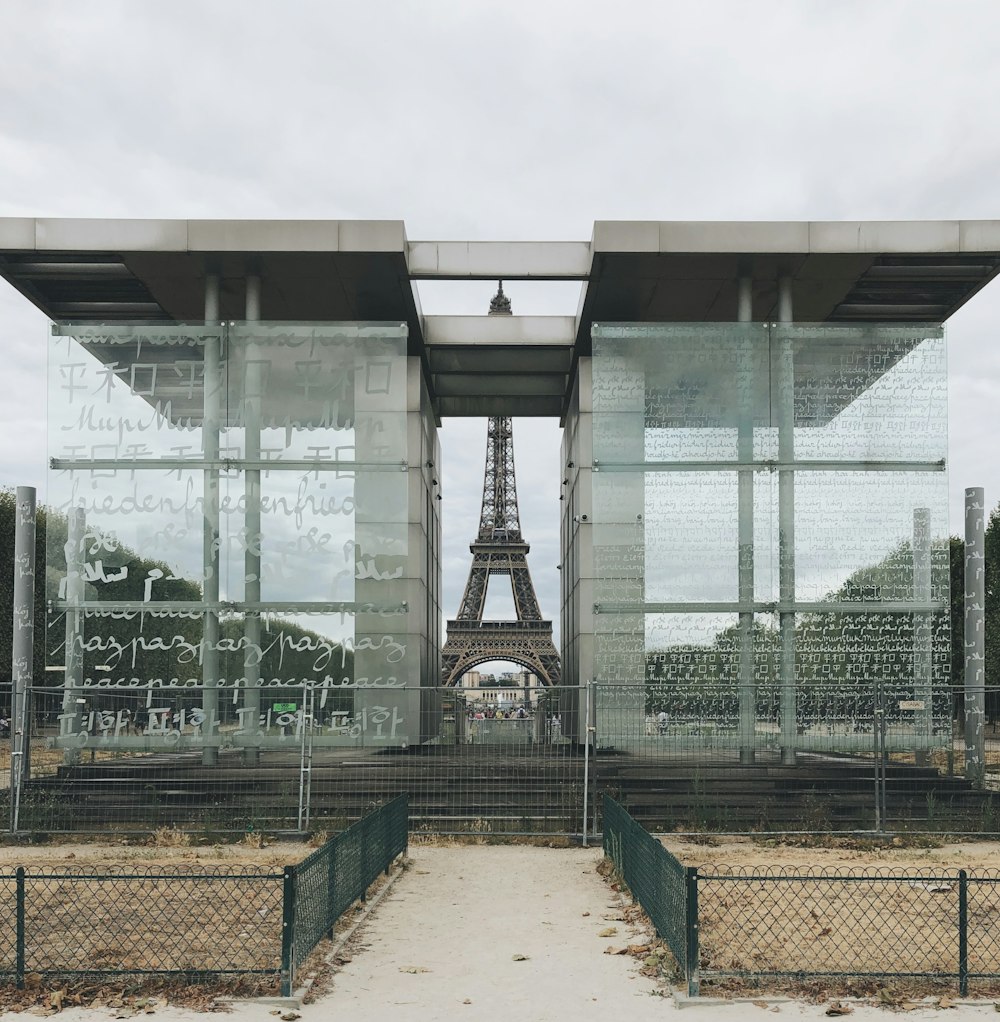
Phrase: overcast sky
x=481 y=120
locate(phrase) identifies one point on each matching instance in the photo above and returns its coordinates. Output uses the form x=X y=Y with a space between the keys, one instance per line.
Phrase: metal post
x=693 y=950
x=963 y=933
x=23 y=641
x=76 y=528
x=210 y=431
x=288 y=932
x=975 y=633
x=586 y=762
x=878 y=734
x=745 y=390
x=19 y=969
x=252 y=405
x=922 y=624
x=785 y=387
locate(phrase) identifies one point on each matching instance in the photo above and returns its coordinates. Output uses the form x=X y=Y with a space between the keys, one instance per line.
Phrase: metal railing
x=752 y=922
x=859 y=758
x=319 y=889
x=659 y=883
x=190 y=920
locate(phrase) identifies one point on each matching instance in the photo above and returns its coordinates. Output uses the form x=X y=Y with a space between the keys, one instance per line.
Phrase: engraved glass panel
x=229 y=516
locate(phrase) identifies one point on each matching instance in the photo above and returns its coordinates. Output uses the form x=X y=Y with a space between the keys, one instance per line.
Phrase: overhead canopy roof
x=96 y=271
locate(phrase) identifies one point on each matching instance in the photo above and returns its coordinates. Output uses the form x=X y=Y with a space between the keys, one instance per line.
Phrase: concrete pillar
x=23 y=639
x=975 y=634
x=745 y=412
x=253 y=396
x=785 y=399
x=210 y=430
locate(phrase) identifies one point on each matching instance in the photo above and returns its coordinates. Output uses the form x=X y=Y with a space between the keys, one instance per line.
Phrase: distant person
x=661 y=722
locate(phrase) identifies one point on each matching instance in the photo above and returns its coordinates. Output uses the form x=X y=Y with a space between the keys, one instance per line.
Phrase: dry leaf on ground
x=839 y=1009
x=609 y=931
x=518 y=958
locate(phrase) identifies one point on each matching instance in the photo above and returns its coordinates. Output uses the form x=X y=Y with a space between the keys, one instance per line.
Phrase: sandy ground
x=442 y=945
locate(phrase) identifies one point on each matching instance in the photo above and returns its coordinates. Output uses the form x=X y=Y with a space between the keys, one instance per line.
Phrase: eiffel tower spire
x=500 y=549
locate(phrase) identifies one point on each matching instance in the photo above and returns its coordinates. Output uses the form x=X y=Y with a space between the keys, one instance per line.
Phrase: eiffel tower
x=500 y=549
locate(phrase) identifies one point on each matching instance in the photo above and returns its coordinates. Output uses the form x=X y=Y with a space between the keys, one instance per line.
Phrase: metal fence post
x=691 y=970
x=288 y=932
x=331 y=883
x=19 y=938
x=963 y=933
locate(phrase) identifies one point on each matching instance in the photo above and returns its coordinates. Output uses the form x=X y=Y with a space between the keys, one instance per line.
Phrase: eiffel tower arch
x=500 y=549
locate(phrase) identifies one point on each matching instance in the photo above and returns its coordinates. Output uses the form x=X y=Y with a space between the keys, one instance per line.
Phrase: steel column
x=72 y=710
x=252 y=408
x=23 y=639
x=975 y=633
x=210 y=430
x=922 y=626
x=745 y=390
x=785 y=388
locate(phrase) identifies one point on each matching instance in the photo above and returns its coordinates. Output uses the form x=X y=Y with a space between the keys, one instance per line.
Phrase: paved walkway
x=442 y=946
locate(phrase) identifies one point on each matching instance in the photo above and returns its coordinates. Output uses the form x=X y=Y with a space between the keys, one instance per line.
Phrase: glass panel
x=199 y=469
x=868 y=535
x=869 y=393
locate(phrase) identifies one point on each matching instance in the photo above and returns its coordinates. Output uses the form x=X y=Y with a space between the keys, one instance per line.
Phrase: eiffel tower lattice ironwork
x=500 y=549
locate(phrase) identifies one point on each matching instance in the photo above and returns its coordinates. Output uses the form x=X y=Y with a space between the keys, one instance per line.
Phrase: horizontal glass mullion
x=230 y=606
x=223 y=464
x=762 y=465
x=828 y=607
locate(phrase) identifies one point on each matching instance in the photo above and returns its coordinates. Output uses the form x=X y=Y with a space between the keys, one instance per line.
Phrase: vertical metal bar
x=975 y=633
x=963 y=932
x=877 y=753
x=211 y=426
x=745 y=390
x=785 y=387
x=288 y=932
x=595 y=769
x=922 y=624
x=253 y=396
x=331 y=883
x=23 y=641
x=76 y=527
x=586 y=762
x=19 y=924
x=692 y=950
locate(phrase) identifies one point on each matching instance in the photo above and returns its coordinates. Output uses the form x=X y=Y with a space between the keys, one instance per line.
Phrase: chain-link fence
x=324 y=885
x=805 y=921
x=656 y=880
x=193 y=920
x=493 y=761
x=754 y=922
x=817 y=758
x=162 y=919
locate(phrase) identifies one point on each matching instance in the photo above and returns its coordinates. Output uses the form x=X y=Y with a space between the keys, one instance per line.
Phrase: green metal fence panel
x=654 y=877
x=329 y=881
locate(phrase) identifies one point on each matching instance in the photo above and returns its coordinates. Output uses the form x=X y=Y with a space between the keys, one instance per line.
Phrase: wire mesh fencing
x=323 y=886
x=813 y=758
x=491 y=761
x=754 y=922
x=657 y=881
x=193 y=920
x=472 y=761
x=813 y=922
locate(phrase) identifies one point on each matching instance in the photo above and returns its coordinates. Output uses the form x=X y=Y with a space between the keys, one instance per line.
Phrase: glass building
x=244 y=472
